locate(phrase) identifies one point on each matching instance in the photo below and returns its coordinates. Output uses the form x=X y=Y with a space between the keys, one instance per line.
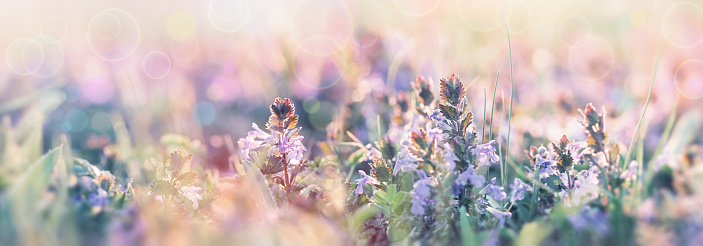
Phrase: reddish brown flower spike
x=282 y=115
x=423 y=89
x=451 y=90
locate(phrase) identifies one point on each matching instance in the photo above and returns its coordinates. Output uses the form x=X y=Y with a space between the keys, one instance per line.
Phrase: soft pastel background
x=122 y=83
x=206 y=69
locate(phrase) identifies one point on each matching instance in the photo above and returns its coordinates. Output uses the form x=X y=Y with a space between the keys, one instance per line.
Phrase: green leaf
x=162 y=187
x=82 y=167
x=19 y=209
x=399 y=199
x=188 y=178
x=467 y=121
x=383 y=173
x=448 y=111
x=533 y=234
x=179 y=162
x=361 y=215
x=468 y=237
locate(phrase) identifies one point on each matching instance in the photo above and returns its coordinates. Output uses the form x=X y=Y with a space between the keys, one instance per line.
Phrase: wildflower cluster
x=175 y=182
x=281 y=149
x=97 y=189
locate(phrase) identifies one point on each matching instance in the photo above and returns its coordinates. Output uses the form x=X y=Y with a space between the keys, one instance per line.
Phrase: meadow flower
x=437 y=115
x=421 y=193
x=493 y=190
x=546 y=167
x=470 y=177
x=292 y=146
x=589 y=217
x=99 y=198
x=434 y=134
x=630 y=172
x=191 y=192
x=444 y=126
x=250 y=142
x=518 y=188
x=500 y=215
x=372 y=153
x=405 y=162
x=574 y=148
x=365 y=179
x=449 y=156
x=486 y=153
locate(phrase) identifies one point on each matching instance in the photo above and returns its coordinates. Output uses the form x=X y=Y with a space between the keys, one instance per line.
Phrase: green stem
x=510 y=111
x=660 y=49
x=495 y=88
x=483 y=128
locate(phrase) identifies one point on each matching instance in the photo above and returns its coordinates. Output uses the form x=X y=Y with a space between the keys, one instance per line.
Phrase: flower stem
x=510 y=111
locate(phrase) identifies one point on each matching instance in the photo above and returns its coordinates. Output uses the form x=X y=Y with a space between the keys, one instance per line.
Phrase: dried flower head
x=451 y=90
x=594 y=125
x=423 y=91
x=282 y=115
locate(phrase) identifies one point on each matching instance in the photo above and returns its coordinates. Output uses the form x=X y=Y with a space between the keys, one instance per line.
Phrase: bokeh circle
x=52 y=56
x=113 y=34
x=688 y=79
x=228 y=16
x=24 y=56
x=184 y=46
x=203 y=113
x=320 y=27
x=156 y=65
x=319 y=71
x=416 y=8
x=593 y=60
x=365 y=34
x=683 y=25
x=574 y=28
x=515 y=15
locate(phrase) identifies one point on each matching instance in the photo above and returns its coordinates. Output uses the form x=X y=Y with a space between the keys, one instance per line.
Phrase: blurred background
x=208 y=69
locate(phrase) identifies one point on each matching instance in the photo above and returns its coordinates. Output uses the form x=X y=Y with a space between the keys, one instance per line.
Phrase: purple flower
x=589 y=217
x=500 y=215
x=444 y=126
x=250 y=142
x=99 y=198
x=630 y=172
x=434 y=134
x=365 y=179
x=494 y=191
x=421 y=193
x=470 y=176
x=546 y=168
x=404 y=162
x=457 y=189
x=518 y=188
x=293 y=146
x=372 y=153
x=437 y=115
x=450 y=157
x=486 y=153
x=191 y=192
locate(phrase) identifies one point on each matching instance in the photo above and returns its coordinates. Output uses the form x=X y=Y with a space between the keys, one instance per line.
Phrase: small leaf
x=179 y=162
x=448 y=111
x=381 y=171
x=272 y=165
x=188 y=178
x=467 y=121
x=82 y=167
x=451 y=90
x=162 y=187
x=533 y=233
